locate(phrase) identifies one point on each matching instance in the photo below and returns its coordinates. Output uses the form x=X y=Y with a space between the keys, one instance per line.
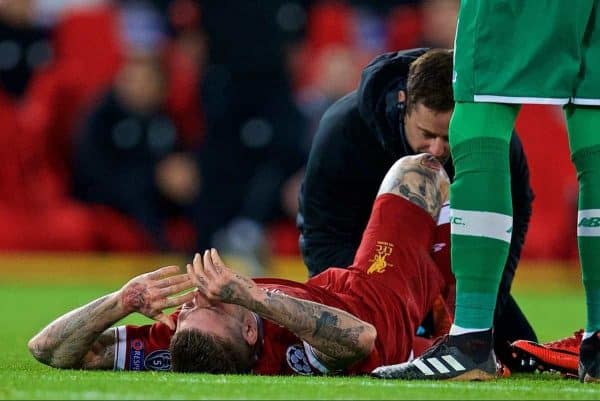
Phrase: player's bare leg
x=420 y=179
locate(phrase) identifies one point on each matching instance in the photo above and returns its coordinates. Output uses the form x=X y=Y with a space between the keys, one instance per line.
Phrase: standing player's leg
x=541 y=71
x=584 y=139
x=583 y=123
x=481 y=209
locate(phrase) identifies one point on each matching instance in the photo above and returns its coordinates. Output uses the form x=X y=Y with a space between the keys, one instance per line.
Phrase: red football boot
x=561 y=355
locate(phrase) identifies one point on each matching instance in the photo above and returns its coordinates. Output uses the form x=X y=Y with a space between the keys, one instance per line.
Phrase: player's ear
x=250 y=329
x=401 y=96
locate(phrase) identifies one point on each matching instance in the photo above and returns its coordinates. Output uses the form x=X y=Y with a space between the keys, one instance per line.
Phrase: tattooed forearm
x=339 y=335
x=237 y=290
x=329 y=327
x=65 y=342
x=326 y=320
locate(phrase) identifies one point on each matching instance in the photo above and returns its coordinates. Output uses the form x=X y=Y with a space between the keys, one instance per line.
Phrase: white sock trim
x=481 y=224
x=457 y=330
x=588 y=223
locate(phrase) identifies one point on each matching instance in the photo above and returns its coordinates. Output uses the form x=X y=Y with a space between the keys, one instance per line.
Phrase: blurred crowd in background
x=176 y=125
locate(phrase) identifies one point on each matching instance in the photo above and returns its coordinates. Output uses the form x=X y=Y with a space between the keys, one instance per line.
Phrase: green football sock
x=584 y=139
x=481 y=207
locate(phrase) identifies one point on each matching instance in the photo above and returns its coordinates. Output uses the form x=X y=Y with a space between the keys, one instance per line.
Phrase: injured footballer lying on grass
x=342 y=321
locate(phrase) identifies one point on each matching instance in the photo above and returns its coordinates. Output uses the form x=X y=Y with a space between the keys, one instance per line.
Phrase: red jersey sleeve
x=143 y=347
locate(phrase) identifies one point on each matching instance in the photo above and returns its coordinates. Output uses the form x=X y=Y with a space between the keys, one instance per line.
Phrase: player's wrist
x=122 y=306
x=256 y=296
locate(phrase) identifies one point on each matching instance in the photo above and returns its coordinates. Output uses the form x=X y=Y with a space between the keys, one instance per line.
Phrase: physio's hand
x=151 y=293
x=219 y=283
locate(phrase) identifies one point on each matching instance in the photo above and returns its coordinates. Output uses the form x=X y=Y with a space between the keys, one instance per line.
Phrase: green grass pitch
x=555 y=310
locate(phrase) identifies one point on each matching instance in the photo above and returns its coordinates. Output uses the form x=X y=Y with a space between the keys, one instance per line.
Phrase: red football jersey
x=144 y=347
x=392 y=284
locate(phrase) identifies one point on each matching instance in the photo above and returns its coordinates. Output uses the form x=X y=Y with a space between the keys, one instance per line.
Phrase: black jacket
x=357 y=141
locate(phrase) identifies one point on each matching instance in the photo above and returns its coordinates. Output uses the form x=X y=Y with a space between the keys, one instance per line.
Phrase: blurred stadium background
x=135 y=132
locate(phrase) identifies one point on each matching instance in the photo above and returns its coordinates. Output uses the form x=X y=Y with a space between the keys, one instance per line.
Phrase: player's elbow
x=39 y=352
x=44 y=353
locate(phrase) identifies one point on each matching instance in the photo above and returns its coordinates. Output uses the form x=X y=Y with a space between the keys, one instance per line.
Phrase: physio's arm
x=339 y=338
x=80 y=339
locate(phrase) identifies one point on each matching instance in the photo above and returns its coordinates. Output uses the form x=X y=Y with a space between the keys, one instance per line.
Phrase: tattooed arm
x=70 y=341
x=82 y=339
x=338 y=337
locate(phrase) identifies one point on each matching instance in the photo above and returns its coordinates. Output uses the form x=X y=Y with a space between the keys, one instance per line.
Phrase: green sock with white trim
x=481 y=208
x=584 y=127
x=587 y=162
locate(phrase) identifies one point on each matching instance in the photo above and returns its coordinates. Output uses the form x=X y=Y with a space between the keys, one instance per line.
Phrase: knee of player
x=393 y=177
x=421 y=179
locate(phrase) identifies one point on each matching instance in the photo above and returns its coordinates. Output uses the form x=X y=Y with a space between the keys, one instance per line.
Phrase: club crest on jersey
x=379 y=263
x=136 y=354
x=297 y=360
x=158 y=360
